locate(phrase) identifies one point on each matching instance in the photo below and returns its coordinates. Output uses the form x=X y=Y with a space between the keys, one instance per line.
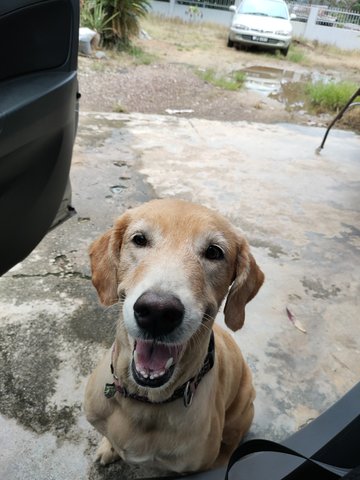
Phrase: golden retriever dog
x=174 y=392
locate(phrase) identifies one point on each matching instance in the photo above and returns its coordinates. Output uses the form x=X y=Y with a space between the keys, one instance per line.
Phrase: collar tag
x=109 y=390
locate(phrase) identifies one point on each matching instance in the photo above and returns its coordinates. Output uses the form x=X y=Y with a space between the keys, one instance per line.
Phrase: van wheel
x=284 y=51
x=230 y=43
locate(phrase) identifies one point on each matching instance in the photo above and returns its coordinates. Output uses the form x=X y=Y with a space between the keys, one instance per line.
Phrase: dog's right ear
x=105 y=257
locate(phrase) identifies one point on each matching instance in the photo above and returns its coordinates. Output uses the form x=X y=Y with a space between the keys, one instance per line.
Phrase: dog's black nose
x=158 y=313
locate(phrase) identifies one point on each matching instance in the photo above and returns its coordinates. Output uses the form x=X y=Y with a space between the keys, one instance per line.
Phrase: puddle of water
x=283 y=85
x=266 y=80
x=117 y=188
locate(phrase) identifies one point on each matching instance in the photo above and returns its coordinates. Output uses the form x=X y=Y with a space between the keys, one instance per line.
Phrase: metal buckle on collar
x=189 y=394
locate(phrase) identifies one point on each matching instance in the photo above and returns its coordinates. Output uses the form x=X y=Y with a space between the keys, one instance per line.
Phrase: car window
x=267 y=8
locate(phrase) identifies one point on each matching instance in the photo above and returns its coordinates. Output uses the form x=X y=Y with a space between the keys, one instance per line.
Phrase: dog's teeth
x=144 y=374
x=135 y=357
x=169 y=363
x=154 y=375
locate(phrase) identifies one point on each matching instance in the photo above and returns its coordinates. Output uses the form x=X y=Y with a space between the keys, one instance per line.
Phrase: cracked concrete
x=301 y=215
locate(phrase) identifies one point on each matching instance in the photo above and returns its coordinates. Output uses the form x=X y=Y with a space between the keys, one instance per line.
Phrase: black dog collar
x=186 y=391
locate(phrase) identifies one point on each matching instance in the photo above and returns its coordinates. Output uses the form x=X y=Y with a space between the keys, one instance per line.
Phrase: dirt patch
x=160 y=77
x=161 y=87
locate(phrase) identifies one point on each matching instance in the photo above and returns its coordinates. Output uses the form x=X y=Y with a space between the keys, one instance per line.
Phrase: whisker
x=119 y=304
x=110 y=307
x=208 y=317
x=196 y=339
x=115 y=310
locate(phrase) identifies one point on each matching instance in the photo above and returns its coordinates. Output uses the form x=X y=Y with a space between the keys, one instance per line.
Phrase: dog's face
x=172 y=262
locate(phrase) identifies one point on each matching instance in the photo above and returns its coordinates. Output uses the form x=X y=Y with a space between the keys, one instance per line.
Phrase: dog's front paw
x=106 y=453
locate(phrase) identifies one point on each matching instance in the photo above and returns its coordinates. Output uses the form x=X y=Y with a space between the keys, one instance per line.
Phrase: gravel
x=159 y=87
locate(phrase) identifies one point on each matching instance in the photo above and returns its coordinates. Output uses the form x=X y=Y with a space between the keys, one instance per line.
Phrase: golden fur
x=169 y=436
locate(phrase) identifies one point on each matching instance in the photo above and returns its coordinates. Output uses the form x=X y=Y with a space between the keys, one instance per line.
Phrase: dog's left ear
x=105 y=257
x=247 y=282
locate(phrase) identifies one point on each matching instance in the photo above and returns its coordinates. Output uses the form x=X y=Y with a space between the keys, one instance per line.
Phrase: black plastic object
x=326 y=449
x=351 y=103
x=38 y=118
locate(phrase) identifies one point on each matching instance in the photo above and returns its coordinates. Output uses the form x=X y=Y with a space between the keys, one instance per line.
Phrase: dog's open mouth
x=154 y=363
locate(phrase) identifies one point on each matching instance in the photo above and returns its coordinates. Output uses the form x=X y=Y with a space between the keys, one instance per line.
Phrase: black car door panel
x=38 y=118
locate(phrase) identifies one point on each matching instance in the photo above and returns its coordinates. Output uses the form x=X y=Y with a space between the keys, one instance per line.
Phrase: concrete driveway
x=301 y=214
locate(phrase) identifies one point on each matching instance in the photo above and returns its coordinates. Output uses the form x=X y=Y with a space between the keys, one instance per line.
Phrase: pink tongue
x=152 y=356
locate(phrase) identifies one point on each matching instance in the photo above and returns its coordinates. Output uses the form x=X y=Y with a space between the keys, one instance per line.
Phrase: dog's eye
x=140 y=240
x=213 y=252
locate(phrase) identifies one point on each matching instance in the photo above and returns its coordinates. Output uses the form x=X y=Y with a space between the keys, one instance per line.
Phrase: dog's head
x=172 y=263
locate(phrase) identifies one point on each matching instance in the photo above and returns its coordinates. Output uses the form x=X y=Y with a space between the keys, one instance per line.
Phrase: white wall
x=173 y=9
x=340 y=37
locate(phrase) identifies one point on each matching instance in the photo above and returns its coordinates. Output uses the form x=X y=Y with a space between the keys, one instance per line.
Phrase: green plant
x=233 y=81
x=194 y=13
x=93 y=15
x=295 y=55
x=115 y=20
x=125 y=16
x=330 y=96
x=239 y=78
x=140 y=57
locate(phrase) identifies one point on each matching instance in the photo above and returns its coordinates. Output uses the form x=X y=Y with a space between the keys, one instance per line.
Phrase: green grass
x=233 y=81
x=330 y=96
x=140 y=57
x=295 y=55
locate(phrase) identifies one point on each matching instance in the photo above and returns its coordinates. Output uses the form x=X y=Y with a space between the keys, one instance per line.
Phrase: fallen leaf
x=295 y=321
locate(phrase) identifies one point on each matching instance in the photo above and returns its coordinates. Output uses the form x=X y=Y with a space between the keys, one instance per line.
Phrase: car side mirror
x=232 y=8
x=292 y=16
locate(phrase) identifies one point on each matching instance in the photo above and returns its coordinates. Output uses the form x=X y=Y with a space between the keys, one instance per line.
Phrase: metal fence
x=327 y=16
x=215 y=4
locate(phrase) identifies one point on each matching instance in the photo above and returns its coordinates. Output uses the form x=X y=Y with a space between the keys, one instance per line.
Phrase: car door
x=38 y=119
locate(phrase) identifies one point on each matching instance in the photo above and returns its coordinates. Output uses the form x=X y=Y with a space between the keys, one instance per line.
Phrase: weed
x=194 y=13
x=295 y=55
x=239 y=78
x=139 y=56
x=333 y=50
x=118 y=108
x=330 y=96
x=98 y=66
x=233 y=81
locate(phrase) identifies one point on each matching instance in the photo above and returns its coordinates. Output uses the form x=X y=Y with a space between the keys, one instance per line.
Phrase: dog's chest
x=165 y=440
x=152 y=459
x=159 y=451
